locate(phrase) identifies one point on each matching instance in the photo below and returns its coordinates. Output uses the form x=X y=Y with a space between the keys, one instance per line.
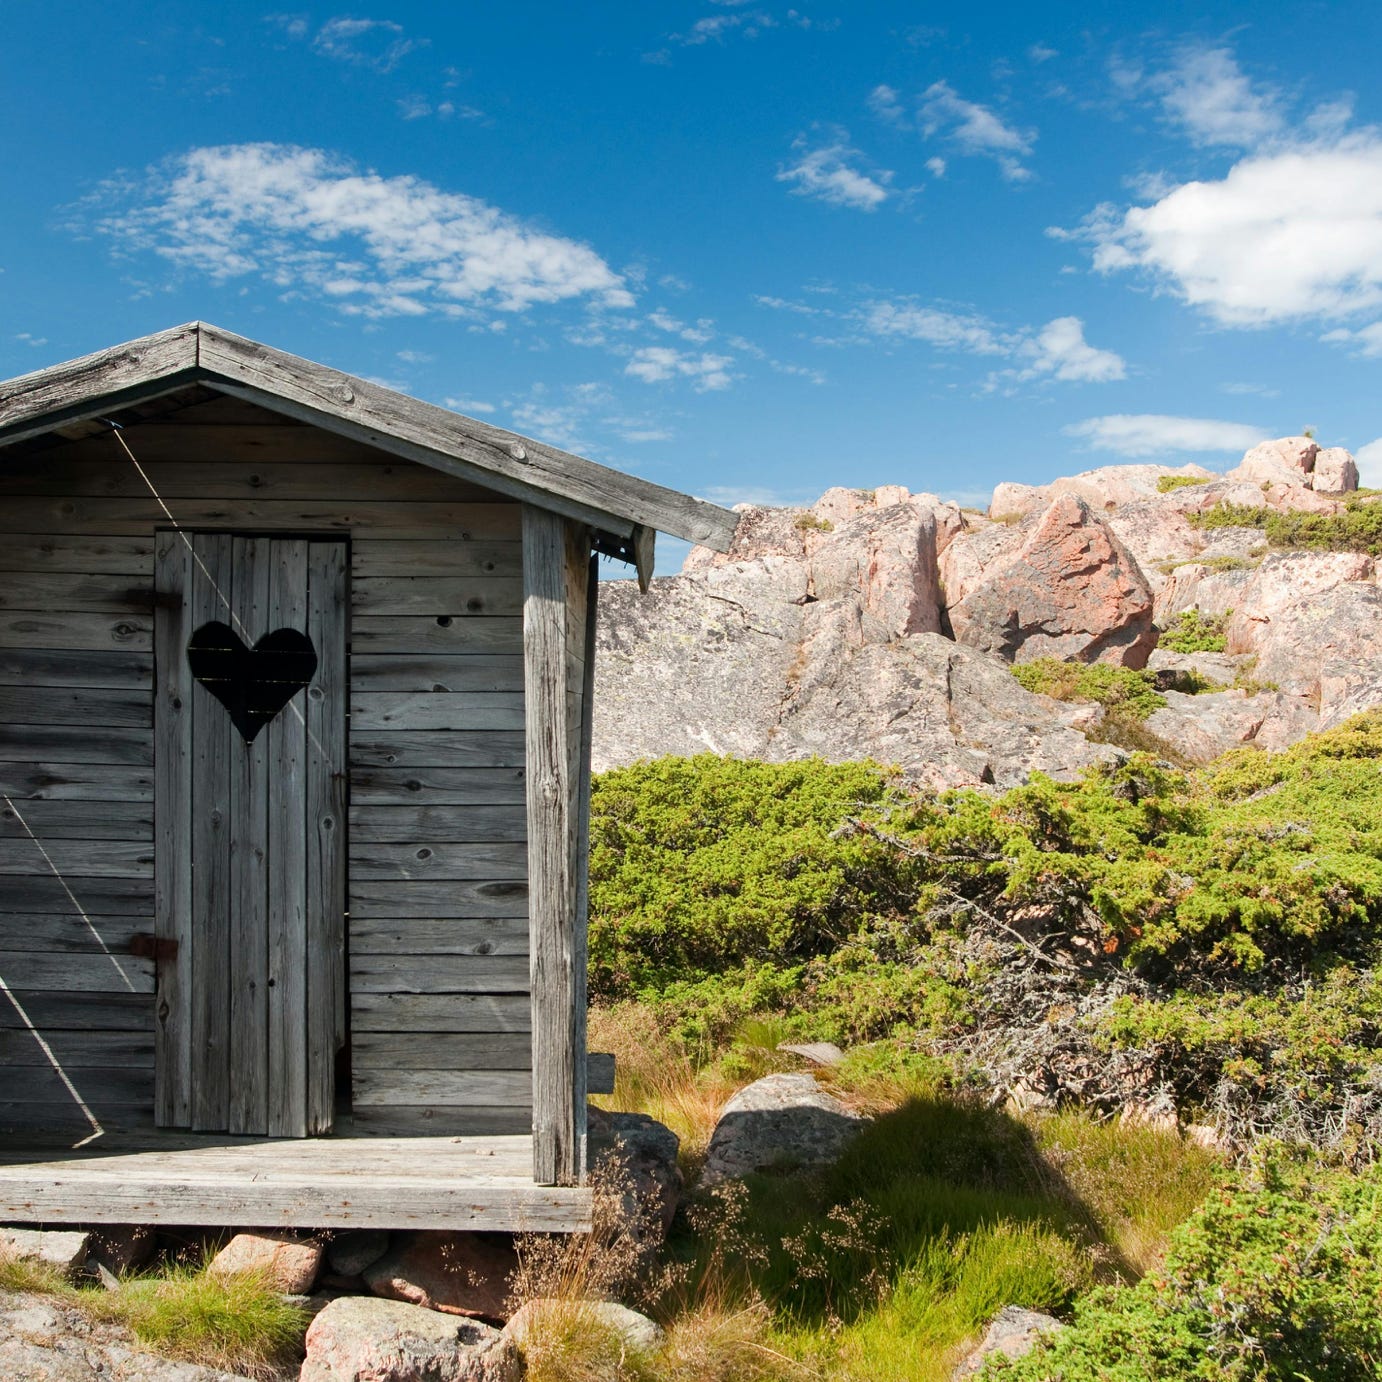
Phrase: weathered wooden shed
x=295 y=688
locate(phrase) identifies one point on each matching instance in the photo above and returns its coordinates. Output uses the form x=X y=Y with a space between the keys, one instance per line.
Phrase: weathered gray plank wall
x=439 y=1007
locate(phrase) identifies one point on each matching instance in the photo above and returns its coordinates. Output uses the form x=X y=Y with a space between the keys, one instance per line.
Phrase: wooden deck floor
x=327 y=1182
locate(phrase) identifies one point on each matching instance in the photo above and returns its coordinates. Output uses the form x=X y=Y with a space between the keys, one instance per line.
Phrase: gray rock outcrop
x=363 y=1339
x=778 y=1122
x=1012 y=1333
x=646 y=1153
x=1071 y=591
x=41 y=1340
x=65 y=1249
x=881 y=624
x=635 y=1331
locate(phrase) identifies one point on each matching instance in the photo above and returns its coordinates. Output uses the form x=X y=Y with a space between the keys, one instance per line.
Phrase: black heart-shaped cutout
x=253 y=684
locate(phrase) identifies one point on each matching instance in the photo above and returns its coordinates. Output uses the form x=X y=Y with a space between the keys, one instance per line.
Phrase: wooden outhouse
x=295 y=691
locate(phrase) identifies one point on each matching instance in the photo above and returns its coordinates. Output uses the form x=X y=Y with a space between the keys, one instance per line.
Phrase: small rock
x=64 y=1249
x=288 y=1263
x=817 y=1052
x=349 y=1253
x=637 y=1331
x=1012 y=1334
x=780 y=1120
x=456 y=1273
x=363 y=1339
x=647 y=1151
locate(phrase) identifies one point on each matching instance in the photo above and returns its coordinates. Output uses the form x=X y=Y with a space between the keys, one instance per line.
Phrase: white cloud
x=827 y=174
x=1041 y=52
x=306 y=221
x=469 y=406
x=1366 y=341
x=657 y=364
x=716 y=27
x=1060 y=350
x=1207 y=94
x=948 y=330
x=1149 y=434
x=936 y=167
x=376 y=43
x=1246 y=387
x=886 y=104
x=1288 y=235
x=975 y=129
x=698 y=334
x=1369 y=460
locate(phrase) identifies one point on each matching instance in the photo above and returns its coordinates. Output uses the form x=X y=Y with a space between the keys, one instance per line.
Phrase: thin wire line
x=119 y=432
x=71 y=896
x=96 y=1129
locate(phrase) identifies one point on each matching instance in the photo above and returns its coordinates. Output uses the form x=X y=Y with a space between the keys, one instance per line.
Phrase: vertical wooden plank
x=551 y=884
x=172 y=831
x=327 y=814
x=287 y=736
x=210 y=809
x=582 y=861
x=249 y=789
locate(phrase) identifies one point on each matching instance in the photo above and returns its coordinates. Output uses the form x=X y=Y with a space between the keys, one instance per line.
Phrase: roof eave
x=511 y=464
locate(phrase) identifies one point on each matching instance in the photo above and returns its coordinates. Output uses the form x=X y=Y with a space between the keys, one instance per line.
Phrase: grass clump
x=234 y=1322
x=809 y=523
x=1132 y=695
x=1194 y=632
x=1167 y=484
x=237 y=1323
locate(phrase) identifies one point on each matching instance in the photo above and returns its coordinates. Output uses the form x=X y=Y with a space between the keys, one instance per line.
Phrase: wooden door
x=250 y=758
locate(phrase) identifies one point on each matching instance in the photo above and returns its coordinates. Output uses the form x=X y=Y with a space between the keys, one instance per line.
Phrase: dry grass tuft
x=654 y=1074
x=567 y=1341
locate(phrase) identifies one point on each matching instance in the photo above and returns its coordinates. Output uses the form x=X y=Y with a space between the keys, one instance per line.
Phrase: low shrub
x=1195 y=632
x=1167 y=484
x=1277 y=1276
x=1131 y=693
x=1356 y=527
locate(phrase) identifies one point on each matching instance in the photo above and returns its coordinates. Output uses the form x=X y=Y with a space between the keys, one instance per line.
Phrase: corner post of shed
x=558 y=614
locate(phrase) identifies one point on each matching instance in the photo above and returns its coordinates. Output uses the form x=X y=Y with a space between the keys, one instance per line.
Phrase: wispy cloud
x=305 y=221
x=827 y=170
x=949 y=330
x=1057 y=351
x=698 y=332
x=658 y=364
x=976 y=130
x=376 y=43
x=1207 y=94
x=715 y=28
x=1151 y=434
x=966 y=127
x=1366 y=341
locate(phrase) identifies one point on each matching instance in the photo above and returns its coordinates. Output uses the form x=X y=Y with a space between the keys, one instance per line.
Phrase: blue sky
x=744 y=249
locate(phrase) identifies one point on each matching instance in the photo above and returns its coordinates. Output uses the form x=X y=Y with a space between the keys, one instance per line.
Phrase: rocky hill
x=883 y=624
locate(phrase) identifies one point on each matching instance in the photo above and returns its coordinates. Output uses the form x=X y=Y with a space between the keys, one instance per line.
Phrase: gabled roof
x=619 y=505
